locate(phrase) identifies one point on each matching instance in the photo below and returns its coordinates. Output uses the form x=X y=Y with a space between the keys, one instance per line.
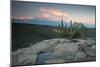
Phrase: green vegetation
x=76 y=30
x=24 y=35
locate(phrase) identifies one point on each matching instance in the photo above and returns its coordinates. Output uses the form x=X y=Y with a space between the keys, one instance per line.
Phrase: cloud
x=57 y=15
x=22 y=17
x=54 y=14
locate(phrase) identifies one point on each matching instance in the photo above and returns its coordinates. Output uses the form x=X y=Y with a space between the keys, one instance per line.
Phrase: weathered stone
x=24 y=59
x=80 y=56
x=55 y=61
x=61 y=50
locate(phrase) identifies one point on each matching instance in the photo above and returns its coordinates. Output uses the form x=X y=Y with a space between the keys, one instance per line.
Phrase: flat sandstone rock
x=60 y=50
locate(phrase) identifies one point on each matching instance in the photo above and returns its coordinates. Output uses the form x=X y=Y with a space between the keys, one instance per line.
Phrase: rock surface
x=60 y=50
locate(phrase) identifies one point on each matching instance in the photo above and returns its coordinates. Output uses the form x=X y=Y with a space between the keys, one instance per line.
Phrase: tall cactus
x=70 y=29
x=62 y=25
x=71 y=24
x=82 y=30
x=66 y=26
x=59 y=27
x=74 y=31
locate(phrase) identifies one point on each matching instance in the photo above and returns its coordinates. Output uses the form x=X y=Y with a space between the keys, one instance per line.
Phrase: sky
x=53 y=12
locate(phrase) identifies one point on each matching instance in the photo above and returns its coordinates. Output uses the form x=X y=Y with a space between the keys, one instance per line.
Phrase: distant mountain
x=46 y=22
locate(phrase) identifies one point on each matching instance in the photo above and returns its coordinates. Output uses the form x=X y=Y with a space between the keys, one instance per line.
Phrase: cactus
x=62 y=25
x=65 y=26
x=71 y=24
x=75 y=30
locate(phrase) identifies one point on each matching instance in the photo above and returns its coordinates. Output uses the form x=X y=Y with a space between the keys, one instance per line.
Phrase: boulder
x=60 y=51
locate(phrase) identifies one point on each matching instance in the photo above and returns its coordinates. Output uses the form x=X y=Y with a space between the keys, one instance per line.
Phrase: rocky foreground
x=59 y=50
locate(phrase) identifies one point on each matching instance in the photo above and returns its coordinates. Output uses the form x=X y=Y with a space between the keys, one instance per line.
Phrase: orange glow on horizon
x=22 y=17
